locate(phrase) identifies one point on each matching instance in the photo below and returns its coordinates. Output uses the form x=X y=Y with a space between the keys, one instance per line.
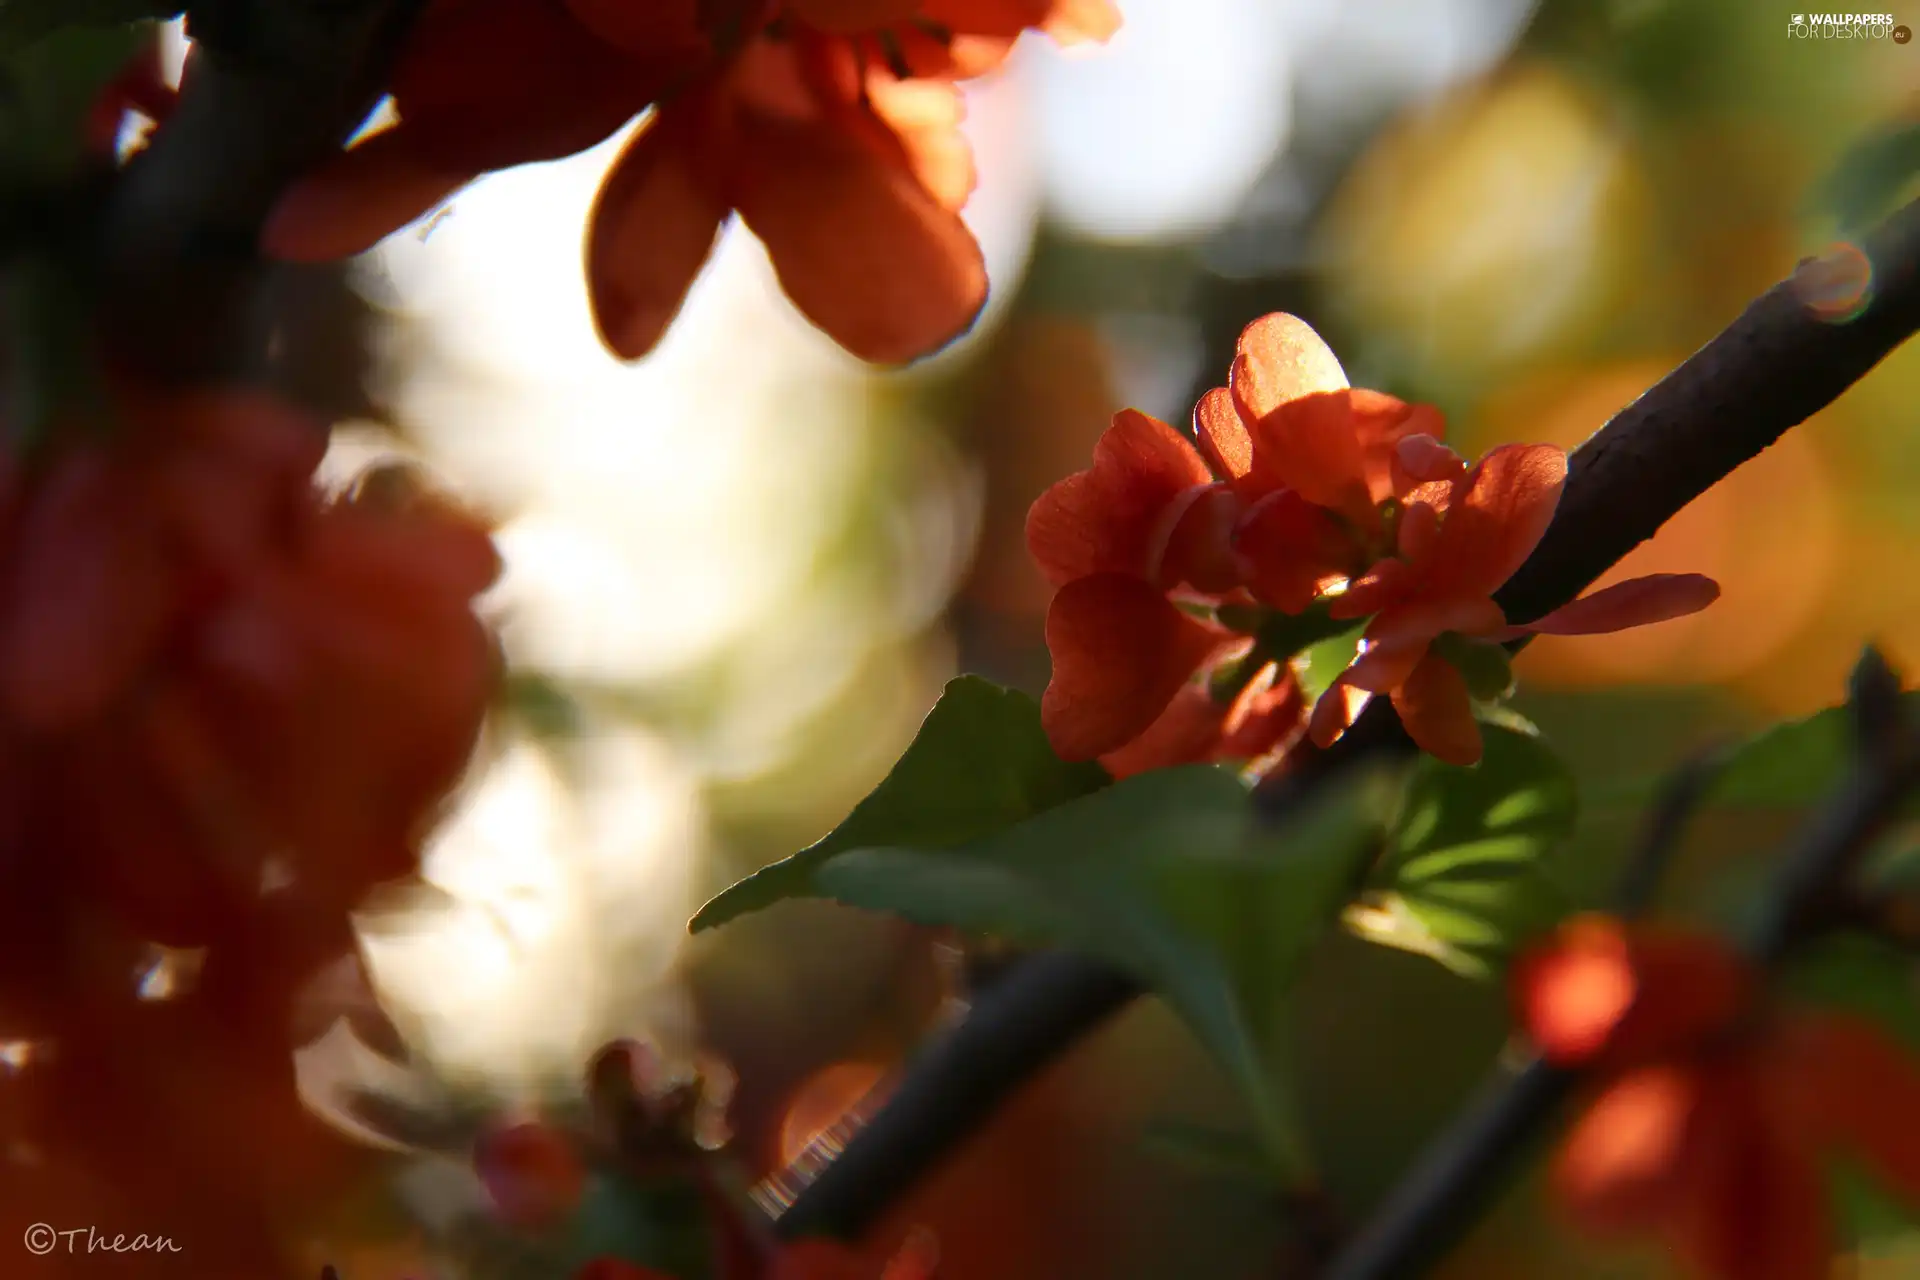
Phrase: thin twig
x=1777 y=364
x=1677 y=802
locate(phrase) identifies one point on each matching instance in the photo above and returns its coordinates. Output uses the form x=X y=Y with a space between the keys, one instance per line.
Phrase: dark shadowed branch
x=1779 y=362
x=271 y=90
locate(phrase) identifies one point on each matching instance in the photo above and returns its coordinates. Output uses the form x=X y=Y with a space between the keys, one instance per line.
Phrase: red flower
x=1314 y=461
x=533 y=1173
x=829 y=126
x=1432 y=603
x=1130 y=666
x=1180 y=569
x=206 y=665
x=1711 y=1113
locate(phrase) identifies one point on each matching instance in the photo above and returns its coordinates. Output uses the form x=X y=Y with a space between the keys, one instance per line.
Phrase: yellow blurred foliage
x=1498 y=225
x=1771 y=534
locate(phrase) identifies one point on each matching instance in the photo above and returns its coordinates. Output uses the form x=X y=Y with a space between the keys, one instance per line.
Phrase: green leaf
x=1862 y=975
x=980 y=763
x=1462 y=881
x=1793 y=764
x=1871 y=178
x=23 y=22
x=1169 y=875
x=1321 y=663
x=1789 y=766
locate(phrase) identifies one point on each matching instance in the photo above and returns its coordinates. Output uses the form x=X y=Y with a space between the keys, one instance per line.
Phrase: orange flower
x=1431 y=643
x=1711 y=1113
x=532 y=1172
x=1131 y=668
x=205 y=665
x=1315 y=461
x=1305 y=503
x=830 y=126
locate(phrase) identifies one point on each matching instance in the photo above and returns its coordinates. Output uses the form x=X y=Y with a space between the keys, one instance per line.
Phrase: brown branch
x=1771 y=369
x=272 y=88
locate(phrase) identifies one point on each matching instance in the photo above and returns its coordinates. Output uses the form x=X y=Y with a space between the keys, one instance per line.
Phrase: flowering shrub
x=233 y=703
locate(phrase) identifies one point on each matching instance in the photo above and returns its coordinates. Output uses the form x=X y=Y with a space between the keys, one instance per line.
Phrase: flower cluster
x=1712 y=1113
x=1191 y=573
x=830 y=126
x=230 y=704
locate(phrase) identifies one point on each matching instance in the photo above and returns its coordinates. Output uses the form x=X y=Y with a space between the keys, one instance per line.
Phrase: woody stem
x=272 y=90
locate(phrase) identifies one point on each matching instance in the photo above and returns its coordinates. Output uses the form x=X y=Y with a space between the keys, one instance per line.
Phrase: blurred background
x=736 y=585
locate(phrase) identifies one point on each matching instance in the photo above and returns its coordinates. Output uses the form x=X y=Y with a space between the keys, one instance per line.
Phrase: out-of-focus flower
x=533 y=1173
x=831 y=128
x=1712 y=1112
x=207 y=665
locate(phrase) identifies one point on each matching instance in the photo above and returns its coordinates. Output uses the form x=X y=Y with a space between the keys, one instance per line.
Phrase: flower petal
x=1067 y=21
x=356 y=199
x=1270 y=711
x=925 y=116
x=1437 y=711
x=496 y=83
x=1121 y=651
x=861 y=247
x=1603 y=993
x=1752 y=1201
x=1621 y=1164
x=1419 y=459
x=88 y=591
x=1222 y=436
x=1197 y=727
x=658 y=30
x=1193 y=541
x=1498 y=514
x=1419 y=528
x=1289 y=550
x=1308 y=445
x=1380 y=587
x=1637 y=602
x=1381 y=422
x=650 y=232
x=1182 y=734
x=848 y=17
x=1103 y=519
x=1279 y=359
x=1422 y=619
x=1859 y=1089
x=1335 y=711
